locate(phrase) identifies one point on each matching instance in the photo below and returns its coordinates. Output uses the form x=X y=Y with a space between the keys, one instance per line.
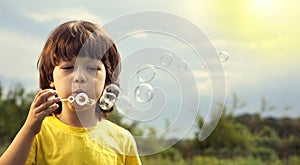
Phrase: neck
x=85 y=118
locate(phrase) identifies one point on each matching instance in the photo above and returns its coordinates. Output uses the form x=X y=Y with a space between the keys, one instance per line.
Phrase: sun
x=263 y=4
x=266 y=6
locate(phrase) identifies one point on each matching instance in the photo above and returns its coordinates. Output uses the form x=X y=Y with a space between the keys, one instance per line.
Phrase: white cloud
x=49 y=14
x=19 y=53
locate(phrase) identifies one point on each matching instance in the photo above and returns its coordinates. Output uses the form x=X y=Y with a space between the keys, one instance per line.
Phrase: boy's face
x=80 y=74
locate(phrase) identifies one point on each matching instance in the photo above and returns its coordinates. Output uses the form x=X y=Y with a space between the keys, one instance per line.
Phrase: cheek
x=62 y=89
x=62 y=83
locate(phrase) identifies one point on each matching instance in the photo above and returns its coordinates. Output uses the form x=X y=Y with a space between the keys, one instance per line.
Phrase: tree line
x=248 y=137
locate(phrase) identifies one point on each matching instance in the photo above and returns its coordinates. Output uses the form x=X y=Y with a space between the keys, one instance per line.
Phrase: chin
x=77 y=107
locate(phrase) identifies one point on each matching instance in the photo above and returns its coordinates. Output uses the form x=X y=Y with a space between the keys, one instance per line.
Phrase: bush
x=169 y=157
x=197 y=160
x=265 y=154
x=292 y=160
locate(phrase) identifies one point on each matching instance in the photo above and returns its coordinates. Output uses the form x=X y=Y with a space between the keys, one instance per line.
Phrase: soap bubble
x=103 y=105
x=143 y=93
x=166 y=59
x=107 y=100
x=109 y=96
x=224 y=56
x=146 y=73
x=113 y=88
x=171 y=85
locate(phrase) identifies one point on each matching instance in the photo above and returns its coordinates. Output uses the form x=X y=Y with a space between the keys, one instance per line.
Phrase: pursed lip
x=77 y=91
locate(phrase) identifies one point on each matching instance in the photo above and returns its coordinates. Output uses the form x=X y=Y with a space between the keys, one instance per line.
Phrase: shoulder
x=113 y=136
x=115 y=127
x=48 y=119
x=51 y=125
x=50 y=122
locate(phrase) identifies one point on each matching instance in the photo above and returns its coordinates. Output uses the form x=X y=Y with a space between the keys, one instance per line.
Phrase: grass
x=198 y=160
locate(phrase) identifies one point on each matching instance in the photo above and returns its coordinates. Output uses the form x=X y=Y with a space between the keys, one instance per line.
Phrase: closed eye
x=67 y=67
x=92 y=68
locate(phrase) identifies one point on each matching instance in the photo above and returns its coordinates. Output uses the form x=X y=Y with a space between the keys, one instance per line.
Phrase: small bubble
x=224 y=56
x=166 y=59
x=107 y=100
x=146 y=73
x=104 y=104
x=113 y=88
x=182 y=66
x=143 y=93
x=109 y=97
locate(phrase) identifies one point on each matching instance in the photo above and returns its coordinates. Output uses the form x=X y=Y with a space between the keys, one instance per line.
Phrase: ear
x=51 y=83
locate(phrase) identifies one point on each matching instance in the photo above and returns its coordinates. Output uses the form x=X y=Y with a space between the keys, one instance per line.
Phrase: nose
x=79 y=76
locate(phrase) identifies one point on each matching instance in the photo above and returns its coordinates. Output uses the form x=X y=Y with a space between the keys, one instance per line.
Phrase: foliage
x=264 y=154
x=227 y=140
x=167 y=157
x=13 y=111
x=247 y=139
x=266 y=144
x=236 y=161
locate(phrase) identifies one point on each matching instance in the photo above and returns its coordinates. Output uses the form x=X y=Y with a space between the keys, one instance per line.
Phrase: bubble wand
x=81 y=99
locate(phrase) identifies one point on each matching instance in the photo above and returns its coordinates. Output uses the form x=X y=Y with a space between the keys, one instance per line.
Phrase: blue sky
x=260 y=37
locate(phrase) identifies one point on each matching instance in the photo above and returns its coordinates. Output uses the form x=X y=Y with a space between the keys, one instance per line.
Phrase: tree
x=229 y=138
x=266 y=144
x=13 y=111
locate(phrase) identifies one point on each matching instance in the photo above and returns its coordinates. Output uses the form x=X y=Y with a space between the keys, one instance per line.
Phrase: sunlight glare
x=265 y=6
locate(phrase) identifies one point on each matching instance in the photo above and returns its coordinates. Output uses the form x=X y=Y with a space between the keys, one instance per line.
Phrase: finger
x=46 y=105
x=46 y=112
x=49 y=103
x=37 y=100
x=43 y=91
x=51 y=108
x=43 y=97
x=38 y=95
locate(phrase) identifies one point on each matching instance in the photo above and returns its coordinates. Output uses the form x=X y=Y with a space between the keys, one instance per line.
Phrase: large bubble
x=171 y=75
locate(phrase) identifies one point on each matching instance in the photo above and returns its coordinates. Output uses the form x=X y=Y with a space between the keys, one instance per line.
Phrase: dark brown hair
x=76 y=38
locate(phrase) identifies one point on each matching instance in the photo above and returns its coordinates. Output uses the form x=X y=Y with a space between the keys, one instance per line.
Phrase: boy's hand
x=40 y=108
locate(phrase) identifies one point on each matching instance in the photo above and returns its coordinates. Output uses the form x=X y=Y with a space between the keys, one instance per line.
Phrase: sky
x=260 y=36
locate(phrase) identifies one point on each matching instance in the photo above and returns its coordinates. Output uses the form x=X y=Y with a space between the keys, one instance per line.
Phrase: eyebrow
x=62 y=62
x=90 y=61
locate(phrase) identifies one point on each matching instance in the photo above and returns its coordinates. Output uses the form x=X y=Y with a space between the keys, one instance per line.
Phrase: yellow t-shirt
x=106 y=143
